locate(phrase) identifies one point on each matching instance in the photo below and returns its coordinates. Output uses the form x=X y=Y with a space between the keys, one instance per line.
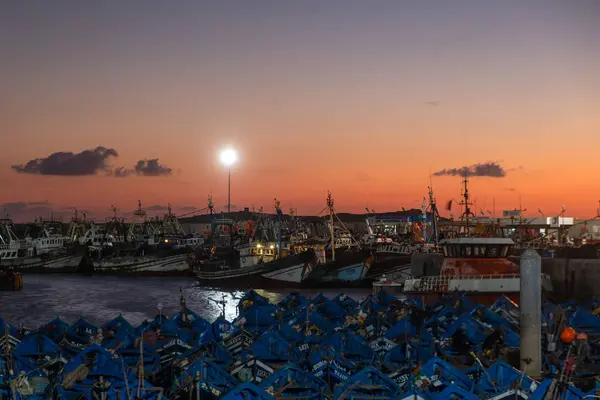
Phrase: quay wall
x=573 y=279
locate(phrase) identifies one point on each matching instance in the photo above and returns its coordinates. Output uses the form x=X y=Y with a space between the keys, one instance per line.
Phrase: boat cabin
x=266 y=250
x=9 y=242
x=395 y=248
x=477 y=247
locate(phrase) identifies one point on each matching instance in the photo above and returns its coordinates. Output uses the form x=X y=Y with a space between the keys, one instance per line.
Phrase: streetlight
x=228 y=158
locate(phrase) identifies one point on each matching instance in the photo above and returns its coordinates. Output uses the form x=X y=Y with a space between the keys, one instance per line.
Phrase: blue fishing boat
x=204 y=379
x=9 y=336
x=258 y=319
x=327 y=364
x=77 y=337
x=248 y=391
x=55 y=329
x=347 y=268
x=351 y=347
x=251 y=299
x=293 y=383
x=304 y=348
x=95 y=367
x=38 y=348
x=273 y=349
x=148 y=360
x=368 y=383
x=239 y=341
x=251 y=369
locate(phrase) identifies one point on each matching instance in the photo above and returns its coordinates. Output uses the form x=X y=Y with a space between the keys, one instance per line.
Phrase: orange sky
x=315 y=99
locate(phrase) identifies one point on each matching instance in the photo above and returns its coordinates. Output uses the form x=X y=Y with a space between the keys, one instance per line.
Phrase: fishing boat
x=253 y=264
x=294 y=275
x=346 y=265
x=151 y=248
x=476 y=266
x=44 y=253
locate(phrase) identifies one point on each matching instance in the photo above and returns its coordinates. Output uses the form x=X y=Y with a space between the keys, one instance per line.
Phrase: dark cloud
x=510 y=189
x=121 y=172
x=144 y=168
x=490 y=169
x=88 y=162
x=152 y=168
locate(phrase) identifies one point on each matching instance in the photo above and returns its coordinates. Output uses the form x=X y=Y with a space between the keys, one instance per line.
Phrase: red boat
x=475 y=266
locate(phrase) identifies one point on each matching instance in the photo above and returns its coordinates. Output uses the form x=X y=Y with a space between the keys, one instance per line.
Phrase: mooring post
x=531 y=313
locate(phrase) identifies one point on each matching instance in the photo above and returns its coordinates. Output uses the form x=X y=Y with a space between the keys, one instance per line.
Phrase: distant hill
x=350 y=218
x=345 y=217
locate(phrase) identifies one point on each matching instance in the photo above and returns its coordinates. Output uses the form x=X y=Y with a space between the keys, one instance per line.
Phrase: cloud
x=145 y=167
x=152 y=168
x=491 y=169
x=510 y=189
x=87 y=162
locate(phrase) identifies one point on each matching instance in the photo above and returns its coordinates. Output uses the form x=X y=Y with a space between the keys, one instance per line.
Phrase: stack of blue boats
x=301 y=348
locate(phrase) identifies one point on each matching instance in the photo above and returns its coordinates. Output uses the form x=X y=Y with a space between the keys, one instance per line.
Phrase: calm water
x=99 y=299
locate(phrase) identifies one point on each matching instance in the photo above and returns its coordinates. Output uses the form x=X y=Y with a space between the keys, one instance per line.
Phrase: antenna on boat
x=331 y=229
x=434 y=213
x=465 y=201
x=114 y=210
x=211 y=206
x=279 y=215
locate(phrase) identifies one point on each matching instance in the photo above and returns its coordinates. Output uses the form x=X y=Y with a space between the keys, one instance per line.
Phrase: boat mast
x=434 y=215
x=331 y=230
x=211 y=206
x=466 y=203
x=279 y=215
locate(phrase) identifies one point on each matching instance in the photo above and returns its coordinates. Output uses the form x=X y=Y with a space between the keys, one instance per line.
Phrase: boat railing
x=10 y=246
x=440 y=283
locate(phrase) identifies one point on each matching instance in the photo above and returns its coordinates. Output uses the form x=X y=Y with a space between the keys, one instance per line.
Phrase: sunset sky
x=363 y=98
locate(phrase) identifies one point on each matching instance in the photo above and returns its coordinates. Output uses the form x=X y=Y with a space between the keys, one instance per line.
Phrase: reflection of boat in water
x=10 y=280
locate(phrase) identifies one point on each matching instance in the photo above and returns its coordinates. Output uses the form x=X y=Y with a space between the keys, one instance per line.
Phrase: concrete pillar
x=531 y=313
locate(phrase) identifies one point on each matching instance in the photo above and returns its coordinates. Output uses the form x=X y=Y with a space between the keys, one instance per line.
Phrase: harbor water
x=101 y=298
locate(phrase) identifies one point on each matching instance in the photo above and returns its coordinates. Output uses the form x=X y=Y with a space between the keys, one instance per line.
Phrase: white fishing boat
x=45 y=253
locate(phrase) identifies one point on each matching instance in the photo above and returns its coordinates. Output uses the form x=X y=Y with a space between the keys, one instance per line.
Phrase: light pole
x=228 y=158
